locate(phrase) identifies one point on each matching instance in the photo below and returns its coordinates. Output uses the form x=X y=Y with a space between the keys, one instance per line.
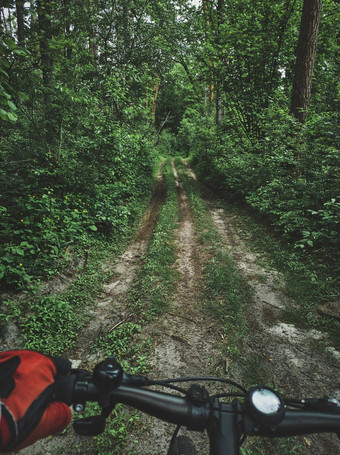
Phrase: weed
x=261 y=446
x=4 y=318
x=256 y=370
x=50 y=323
x=126 y=346
x=117 y=431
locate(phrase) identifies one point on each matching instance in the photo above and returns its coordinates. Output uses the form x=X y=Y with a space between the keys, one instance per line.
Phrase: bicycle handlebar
x=263 y=412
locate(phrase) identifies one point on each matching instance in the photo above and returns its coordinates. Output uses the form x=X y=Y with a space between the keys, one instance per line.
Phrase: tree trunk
x=289 y=8
x=45 y=27
x=2 y=23
x=154 y=101
x=219 y=108
x=193 y=82
x=211 y=70
x=67 y=27
x=32 y=17
x=92 y=36
x=19 y=4
x=44 y=10
x=305 y=56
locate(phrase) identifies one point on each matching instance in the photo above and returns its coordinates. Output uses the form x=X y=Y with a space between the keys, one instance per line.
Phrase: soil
x=186 y=341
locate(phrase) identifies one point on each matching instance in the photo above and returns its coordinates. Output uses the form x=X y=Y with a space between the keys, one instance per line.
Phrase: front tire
x=183 y=445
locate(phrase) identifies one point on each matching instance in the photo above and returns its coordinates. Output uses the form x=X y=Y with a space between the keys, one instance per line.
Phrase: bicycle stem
x=223 y=428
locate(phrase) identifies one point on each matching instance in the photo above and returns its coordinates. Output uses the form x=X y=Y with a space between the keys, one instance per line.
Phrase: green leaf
x=19 y=52
x=10 y=43
x=23 y=96
x=6 y=95
x=3 y=114
x=12 y=116
x=93 y=228
x=12 y=105
x=3 y=72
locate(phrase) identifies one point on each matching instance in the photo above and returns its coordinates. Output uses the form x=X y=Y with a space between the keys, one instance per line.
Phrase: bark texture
x=305 y=56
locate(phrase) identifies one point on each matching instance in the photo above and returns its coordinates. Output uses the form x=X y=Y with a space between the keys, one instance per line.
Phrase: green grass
x=261 y=446
x=154 y=285
x=225 y=294
x=225 y=291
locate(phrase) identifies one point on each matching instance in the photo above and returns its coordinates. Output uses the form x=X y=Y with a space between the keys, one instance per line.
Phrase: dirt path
x=186 y=342
x=110 y=311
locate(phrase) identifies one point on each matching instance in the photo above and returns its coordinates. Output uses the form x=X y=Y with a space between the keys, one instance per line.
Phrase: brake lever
x=107 y=375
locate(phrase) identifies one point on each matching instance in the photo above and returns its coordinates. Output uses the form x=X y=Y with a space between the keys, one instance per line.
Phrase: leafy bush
x=324 y=229
x=287 y=173
x=48 y=207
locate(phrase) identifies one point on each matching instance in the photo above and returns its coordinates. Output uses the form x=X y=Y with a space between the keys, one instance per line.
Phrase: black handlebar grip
x=64 y=389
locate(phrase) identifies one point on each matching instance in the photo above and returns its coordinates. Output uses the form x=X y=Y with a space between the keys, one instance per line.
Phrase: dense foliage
x=88 y=91
x=243 y=139
x=76 y=147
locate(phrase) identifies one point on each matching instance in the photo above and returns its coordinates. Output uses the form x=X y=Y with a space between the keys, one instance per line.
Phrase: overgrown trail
x=295 y=360
x=188 y=341
x=292 y=359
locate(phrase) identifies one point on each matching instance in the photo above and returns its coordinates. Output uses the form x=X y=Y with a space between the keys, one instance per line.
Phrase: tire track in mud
x=111 y=308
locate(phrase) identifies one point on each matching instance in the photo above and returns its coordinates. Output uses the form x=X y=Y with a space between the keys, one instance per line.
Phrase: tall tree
x=219 y=109
x=305 y=56
x=19 y=5
x=44 y=10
